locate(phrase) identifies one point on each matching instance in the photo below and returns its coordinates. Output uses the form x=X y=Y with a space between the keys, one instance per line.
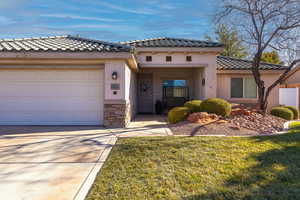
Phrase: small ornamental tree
x=264 y=25
x=233 y=43
x=271 y=57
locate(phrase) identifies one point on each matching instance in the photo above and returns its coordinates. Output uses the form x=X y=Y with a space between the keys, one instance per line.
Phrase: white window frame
x=243 y=89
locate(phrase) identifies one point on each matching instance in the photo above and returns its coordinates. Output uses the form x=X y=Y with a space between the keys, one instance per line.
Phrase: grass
x=204 y=168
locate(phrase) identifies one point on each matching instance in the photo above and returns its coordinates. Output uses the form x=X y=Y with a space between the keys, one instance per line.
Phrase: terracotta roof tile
x=228 y=63
x=171 y=42
x=61 y=43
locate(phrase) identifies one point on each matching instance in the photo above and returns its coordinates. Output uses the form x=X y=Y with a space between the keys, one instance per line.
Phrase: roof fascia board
x=76 y=55
x=239 y=71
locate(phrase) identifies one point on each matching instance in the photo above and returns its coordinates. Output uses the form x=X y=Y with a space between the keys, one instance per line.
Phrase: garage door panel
x=37 y=97
x=50 y=89
x=49 y=103
x=50 y=118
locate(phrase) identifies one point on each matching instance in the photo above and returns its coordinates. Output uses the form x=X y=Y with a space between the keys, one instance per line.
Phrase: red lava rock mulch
x=242 y=122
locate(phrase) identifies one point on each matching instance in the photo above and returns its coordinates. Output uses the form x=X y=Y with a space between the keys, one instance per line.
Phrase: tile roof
x=228 y=63
x=171 y=42
x=60 y=44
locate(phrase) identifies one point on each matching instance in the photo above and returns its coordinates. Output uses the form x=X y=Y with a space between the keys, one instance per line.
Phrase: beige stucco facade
x=223 y=85
x=202 y=66
x=121 y=95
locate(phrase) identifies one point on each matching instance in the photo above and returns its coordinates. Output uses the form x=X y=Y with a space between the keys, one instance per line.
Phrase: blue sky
x=110 y=20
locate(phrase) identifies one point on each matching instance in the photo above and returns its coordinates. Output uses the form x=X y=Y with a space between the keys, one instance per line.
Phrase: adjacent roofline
x=271 y=65
x=293 y=71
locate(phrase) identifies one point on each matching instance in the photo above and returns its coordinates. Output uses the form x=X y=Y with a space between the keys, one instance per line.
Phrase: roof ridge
x=246 y=60
x=32 y=38
x=160 y=38
x=143 y=40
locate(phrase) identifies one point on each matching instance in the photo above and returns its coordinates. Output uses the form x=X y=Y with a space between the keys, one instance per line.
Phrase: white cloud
x=144 y=11
x=67 y=16
x=97 y=26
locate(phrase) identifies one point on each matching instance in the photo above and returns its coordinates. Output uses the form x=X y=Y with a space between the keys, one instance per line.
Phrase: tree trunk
x=262 y=101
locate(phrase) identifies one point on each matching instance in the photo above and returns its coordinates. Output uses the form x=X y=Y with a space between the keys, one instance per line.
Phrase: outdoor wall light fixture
x=203 y=81
x=114 y=75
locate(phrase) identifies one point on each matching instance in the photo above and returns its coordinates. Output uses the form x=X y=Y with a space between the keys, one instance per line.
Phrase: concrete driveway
x=39 y=162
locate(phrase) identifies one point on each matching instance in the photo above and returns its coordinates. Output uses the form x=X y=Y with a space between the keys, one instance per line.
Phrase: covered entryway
x=51 y=96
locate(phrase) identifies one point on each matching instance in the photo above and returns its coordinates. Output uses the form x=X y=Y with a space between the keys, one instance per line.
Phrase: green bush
x=216 y=106
x=282 y=112
x=178 y=114
x=294 y=110
x=193 y=105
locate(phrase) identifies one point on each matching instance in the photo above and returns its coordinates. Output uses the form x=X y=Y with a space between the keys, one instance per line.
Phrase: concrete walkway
x=144 y=126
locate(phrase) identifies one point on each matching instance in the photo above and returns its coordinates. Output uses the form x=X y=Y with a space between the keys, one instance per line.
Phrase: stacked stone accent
x=117 y=115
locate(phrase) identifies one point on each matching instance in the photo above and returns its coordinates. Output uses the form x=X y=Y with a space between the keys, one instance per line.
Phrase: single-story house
x=67 y=80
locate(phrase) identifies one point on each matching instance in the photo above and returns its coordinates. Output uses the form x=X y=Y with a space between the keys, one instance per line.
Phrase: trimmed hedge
x=282 y=112
x=178 y=114
x=294 y=110
x=193 y=105
x=217 y=106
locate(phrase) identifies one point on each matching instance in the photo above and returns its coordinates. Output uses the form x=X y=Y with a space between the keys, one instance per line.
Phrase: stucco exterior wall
x=203 y=64
x=119 y=67
x=119 y=104
x=177 y=59
x=131 y=90
x=223 y=87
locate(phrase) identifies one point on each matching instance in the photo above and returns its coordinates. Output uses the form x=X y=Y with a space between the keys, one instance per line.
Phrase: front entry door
x=145 y=93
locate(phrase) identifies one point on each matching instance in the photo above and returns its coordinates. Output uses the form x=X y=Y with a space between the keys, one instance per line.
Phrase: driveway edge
x=87 y=184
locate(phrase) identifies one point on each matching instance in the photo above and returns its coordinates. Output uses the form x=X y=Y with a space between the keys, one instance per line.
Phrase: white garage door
x=51 y=97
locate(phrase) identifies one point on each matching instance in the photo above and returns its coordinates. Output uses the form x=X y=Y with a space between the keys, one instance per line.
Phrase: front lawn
x=208 y=168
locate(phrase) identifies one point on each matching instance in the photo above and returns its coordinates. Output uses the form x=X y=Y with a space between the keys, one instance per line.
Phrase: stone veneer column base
x=117 y=115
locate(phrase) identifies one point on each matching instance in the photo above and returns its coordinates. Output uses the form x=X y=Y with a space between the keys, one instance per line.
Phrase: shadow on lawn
x=276 y=176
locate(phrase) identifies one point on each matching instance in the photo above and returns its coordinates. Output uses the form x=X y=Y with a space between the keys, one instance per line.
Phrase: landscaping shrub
x=294 y=110
x=193 y=105
x=282 y=112
x=159 y=107
x=178 y=114
x=217 y=106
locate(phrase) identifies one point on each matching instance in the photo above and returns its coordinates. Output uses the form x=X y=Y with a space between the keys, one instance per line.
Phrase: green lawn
x=208 y=168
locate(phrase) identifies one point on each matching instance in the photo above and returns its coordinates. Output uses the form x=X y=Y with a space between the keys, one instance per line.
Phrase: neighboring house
x=68 y=80
x=290 y=88
x=236 y=82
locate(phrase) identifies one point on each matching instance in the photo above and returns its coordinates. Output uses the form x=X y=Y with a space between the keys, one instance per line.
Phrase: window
x=243 y=88
x=148 y=58
x=175 y=83
x=189 y=58
x=169 y=58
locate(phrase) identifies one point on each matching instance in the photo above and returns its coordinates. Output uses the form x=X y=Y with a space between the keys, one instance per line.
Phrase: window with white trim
x=243 y=88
